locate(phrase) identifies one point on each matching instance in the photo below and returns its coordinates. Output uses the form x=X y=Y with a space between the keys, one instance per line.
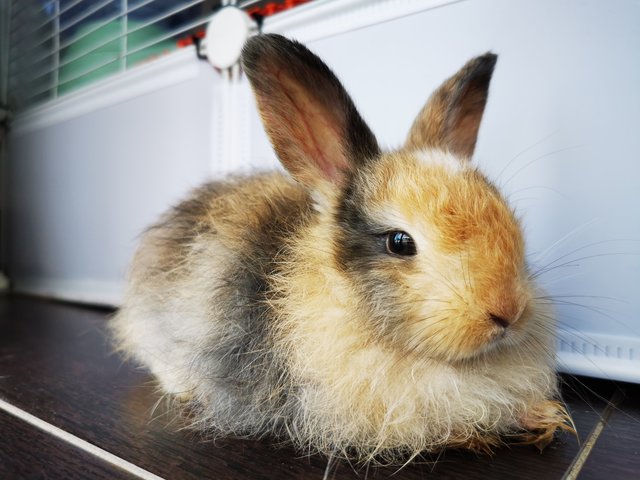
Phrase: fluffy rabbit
x=372 y=304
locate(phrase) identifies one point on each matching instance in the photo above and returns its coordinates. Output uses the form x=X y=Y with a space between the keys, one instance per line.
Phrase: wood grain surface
x=616 y=454
x=56 y=364
x=29 y=453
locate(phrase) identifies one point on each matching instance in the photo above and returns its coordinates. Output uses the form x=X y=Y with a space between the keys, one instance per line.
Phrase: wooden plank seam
x=77 y=442
x=578 y=462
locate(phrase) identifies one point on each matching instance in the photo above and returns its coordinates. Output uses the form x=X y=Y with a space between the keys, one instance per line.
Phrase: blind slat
x=63 y=63
x=33 y=61
x=17 y=11
x=84 y=34
x=123 y=14
x=55 y=32
x=86 y=14
x=124 y=26
x=15 y=20
x=51 y=87
x=89 y=31
x=53 y=17
x=93 y=69
x=56 y=48
x=60 y=13
x=165 y=15
x=169 y=35
x=154 y=20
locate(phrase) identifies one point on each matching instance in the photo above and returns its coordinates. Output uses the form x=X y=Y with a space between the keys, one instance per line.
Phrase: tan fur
x=275 y=306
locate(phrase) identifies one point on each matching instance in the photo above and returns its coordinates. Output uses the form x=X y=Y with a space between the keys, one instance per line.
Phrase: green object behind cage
x=95 y=56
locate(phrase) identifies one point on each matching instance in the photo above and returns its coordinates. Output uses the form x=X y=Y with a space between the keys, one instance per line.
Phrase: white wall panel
x=82 y=189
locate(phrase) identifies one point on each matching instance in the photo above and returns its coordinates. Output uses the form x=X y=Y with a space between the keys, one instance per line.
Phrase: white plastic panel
x=83 y=188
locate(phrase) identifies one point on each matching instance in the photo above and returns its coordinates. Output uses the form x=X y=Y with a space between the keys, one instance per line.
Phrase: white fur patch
x=443 y=159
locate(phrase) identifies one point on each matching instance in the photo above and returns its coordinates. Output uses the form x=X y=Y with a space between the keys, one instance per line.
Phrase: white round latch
x=226 y=33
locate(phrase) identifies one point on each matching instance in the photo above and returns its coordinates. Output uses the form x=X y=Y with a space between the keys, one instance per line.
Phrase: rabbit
x=368 y=304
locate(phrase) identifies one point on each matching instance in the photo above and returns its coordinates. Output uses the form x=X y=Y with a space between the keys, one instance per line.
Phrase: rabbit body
x=196 y=304
x=301 y=308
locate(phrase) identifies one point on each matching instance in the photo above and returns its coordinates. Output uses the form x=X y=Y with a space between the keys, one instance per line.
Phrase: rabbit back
x=197 y=309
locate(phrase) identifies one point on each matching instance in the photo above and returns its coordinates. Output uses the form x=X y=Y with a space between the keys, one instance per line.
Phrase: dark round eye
x=400 y=243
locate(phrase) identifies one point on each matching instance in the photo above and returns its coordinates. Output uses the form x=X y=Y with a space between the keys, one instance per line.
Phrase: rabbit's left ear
x=309 y=117
x=451 y=118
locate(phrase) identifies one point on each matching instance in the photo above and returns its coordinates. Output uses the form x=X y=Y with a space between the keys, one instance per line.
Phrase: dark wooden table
x=71 y=409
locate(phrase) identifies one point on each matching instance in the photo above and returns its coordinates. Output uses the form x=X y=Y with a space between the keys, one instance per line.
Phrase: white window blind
x=58 y=46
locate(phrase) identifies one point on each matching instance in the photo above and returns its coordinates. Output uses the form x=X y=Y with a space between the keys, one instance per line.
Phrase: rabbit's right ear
x=451 y=118
x=311 y=120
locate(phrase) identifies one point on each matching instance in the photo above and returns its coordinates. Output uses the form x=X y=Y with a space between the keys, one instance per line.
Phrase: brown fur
x=274 y=305
x=451 y=118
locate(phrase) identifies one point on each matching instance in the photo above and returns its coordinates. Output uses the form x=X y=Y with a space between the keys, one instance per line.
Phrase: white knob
x=226 y=33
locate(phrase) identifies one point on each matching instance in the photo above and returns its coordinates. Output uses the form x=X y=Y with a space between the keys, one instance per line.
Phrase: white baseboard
x=597 y=355
x=91 y=291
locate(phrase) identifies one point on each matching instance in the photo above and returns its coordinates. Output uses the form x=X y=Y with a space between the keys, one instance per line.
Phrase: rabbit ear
x=451 y=118
x=311 y=120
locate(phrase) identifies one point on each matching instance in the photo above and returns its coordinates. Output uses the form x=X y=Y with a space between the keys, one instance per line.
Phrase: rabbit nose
x=500 y=321
x=505 y=307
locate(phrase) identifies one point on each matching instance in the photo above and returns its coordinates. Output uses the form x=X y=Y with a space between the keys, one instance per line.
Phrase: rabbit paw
x=543 y=421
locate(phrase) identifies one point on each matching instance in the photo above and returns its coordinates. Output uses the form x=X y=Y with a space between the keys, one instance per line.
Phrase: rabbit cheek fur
x=275 y=307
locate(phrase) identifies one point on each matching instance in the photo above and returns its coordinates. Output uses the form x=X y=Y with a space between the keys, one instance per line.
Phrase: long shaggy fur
x=272 y=307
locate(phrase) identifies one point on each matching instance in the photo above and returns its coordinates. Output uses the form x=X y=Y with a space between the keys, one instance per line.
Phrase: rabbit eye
x=400 y=243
